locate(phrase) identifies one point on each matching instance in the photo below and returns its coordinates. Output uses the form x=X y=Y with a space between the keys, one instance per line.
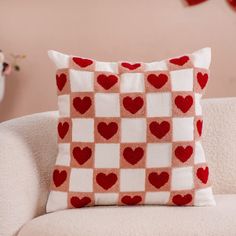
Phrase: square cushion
x=129 y=133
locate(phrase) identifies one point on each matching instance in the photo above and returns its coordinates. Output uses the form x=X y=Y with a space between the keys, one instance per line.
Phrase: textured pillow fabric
x=129 y=133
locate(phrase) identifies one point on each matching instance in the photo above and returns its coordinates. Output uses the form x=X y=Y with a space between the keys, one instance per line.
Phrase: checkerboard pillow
x=129 y=133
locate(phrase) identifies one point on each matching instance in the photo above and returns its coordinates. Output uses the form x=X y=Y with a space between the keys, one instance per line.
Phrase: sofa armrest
x=27 y=154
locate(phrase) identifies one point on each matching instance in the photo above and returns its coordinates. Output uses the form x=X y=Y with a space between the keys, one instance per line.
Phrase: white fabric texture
x=28 y=150
x=143 y=221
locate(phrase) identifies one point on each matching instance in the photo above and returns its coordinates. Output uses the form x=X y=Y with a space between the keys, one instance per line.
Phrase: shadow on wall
x=9 y=102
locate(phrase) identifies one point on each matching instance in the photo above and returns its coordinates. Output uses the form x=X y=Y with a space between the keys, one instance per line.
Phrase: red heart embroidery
x=157 y=81
x=184 y=104
x=159 y=129
x=158 y=180
x=128 y=200
x=133 y=156
x=62 y=129
x=183 y=154
x=82 y=62
x=180 y=61
x=199 y=127
x=203 y=174
x=107 y=130
x=107 y=81
x=133 y=105
x=195 y=2
x=202 y=79
x=82 y=105
x=106 y=181
x=79 y=202
x=59 y=177
x=232 y=3
x=61 y=81
x=82 y=155
x=180 y=200
x=130 y=66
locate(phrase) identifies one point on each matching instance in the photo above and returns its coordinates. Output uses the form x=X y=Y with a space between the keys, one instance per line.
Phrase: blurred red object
x=232 y=3
x=195 y=2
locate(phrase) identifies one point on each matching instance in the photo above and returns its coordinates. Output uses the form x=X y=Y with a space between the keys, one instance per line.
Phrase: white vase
x=2 y=87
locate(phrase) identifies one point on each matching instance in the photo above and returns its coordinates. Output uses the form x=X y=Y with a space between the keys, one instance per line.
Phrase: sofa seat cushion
x=141 y=220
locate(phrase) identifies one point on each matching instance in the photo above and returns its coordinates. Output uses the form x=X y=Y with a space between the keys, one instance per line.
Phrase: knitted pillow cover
x=129 y=133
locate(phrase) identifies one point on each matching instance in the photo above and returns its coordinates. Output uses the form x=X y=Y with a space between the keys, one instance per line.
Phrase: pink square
x=79 y=63
x=182 y=198
x=158 y=179
x=82 y=155
x=106 y=82
x=159 y=130
x=64 y=130
x=82 y=104
x=131 y=198
x=106 y=180
x=132 y=155
x=201 y=176
x=201 y=79
x=179 y=63
x=157 y=81
x=79 y=200
x=130 y=67
x=62 y=81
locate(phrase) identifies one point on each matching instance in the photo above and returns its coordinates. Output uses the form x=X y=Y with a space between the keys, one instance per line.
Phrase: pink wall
x=138 y=30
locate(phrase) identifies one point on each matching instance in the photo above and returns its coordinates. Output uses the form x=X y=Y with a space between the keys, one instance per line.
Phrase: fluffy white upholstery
x=28 y=150
x=135 y=221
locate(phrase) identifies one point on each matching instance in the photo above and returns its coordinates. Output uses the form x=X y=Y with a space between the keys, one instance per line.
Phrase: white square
x=199 y=153
x=160 y=198
x=56 y=201
x=107 y=156
x=106 y=198
x=202 y=58
x=106 y=66
x=159 y=104
x=132 y=180
x=132 y=82
x=159 y=155
x=107 y=104
x=183 y=129
x=81 y=180
x=81 y=81
x=133 y=130
x=63 y=157
x=198 y=107
x=182 y=178
x=204 y=197
x=82 y=130
x=64 y=105
x=156 y=66
x=182 y=80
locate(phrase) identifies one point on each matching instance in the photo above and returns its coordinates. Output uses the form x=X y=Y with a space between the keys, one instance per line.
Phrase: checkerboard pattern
x=129 y=133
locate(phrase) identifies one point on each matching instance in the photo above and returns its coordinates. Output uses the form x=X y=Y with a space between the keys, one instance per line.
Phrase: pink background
x=138 y=30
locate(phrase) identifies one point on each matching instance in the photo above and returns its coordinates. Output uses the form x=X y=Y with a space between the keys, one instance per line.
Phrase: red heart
x=183 y=154
x=159 y=129
x=128 y=200
x=130 y=66
x=180 y=200
x=158 y=180
x=232 y=3
x=202 y=79
x=59 y=177
x=82 y=62
x=82 y=155
x=61 y=81
x=157 y=81
x=180 y=61
x=107 y=130
x=106 y=181
x=195 y=2
x=203 y=174
x=133 y=105
x=199 y=127
x=107 y=81
x=82 y=105
x=79 y=202
x=133 y=156
x=62 y=129
x=184 y=104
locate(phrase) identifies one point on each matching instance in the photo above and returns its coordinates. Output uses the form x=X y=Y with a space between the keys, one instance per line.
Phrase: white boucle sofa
x=28 y=149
